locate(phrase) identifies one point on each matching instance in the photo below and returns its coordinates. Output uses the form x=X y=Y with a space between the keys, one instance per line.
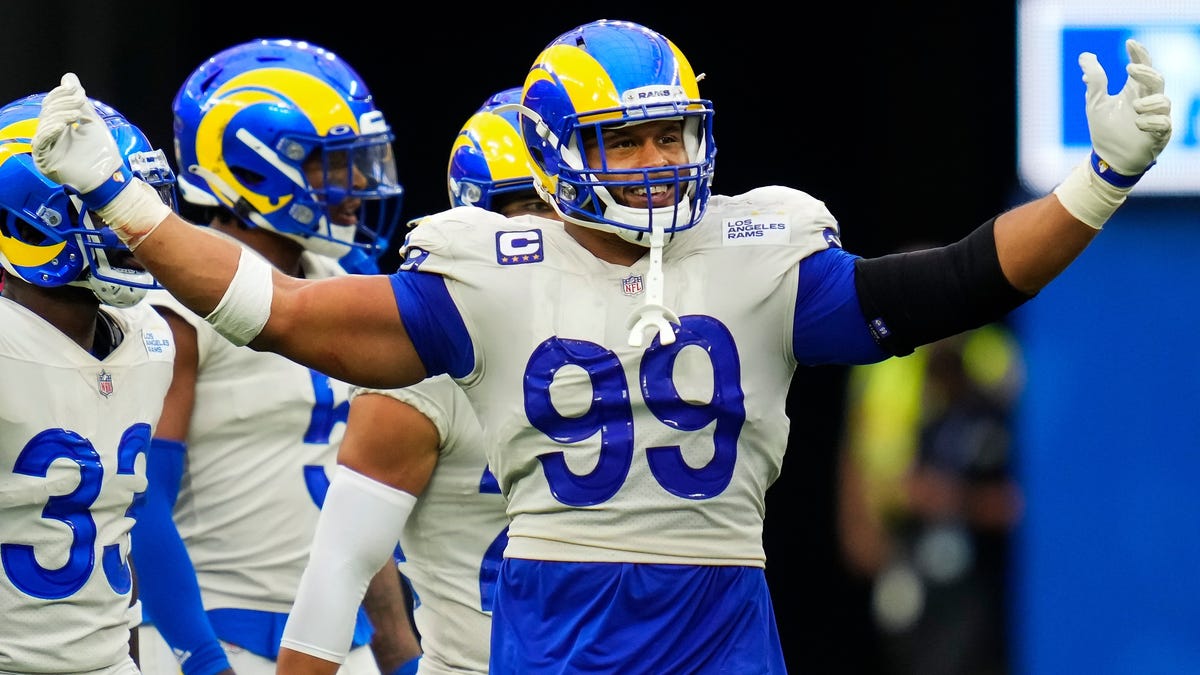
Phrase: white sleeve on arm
x=357 y=531
x=246 y=305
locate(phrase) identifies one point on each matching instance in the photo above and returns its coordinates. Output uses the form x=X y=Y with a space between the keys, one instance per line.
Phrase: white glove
x=74 y=147
x=1128 y=132
x=1130 y=129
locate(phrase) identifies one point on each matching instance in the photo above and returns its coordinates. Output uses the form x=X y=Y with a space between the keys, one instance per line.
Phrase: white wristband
x=1089 y=197
x=134 y=212
x=246 y=305
x=359 y=526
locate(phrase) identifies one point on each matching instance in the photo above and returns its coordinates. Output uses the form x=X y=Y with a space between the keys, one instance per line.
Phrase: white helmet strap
x=653 y=314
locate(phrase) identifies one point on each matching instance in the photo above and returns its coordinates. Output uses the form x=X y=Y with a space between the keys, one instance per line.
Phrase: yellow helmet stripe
x=281 y=86
x=327 y=108
x=502 y=146
x=18 y=252
x=590 y=88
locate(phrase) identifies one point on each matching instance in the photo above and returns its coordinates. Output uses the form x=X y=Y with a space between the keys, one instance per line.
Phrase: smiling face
x=648 y=145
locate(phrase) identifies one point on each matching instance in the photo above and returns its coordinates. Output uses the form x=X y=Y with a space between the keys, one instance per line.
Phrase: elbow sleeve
x=359 y=526
x=918 y=297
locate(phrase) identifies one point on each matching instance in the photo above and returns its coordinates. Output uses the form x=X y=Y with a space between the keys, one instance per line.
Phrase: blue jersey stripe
x=434 y=323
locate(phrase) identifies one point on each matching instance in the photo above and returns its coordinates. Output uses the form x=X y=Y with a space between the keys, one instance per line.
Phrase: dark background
x=901 y=119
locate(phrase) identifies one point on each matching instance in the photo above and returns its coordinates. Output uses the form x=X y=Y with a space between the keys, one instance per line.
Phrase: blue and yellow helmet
x=488 y=157
x=46 y=238
x=615 y=73
x=247 y=120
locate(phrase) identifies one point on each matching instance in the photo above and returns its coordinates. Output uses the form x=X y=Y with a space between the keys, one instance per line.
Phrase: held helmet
x=46 y=238
x=249 y=118
x=488 y=157
x=615 y=73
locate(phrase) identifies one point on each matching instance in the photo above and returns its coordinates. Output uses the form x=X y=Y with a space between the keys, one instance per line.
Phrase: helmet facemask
x=112 y=273
x=583 y=194
x=358 y=198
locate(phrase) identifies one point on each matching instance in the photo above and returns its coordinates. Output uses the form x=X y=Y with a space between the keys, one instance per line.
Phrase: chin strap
x=653 y=314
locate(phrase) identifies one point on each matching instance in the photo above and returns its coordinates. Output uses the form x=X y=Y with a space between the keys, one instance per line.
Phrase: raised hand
x=1130 y=129
x=74 y=147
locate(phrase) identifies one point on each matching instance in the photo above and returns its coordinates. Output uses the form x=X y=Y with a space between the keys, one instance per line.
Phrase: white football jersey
x=74 y=431
x=454 y=538
x=613 y=453
x=264 y=431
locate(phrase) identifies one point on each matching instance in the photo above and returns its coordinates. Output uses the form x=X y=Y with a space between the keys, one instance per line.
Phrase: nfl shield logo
x=632 y=285
x=105 y=384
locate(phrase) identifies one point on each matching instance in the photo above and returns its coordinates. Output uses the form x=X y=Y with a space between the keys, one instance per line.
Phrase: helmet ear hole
x=23 y=230
x=247 y=177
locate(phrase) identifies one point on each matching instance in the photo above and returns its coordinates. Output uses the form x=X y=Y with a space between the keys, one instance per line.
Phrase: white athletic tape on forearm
x=359 y=526
x=1089 y=197
x=134 y=212
x=246 y=305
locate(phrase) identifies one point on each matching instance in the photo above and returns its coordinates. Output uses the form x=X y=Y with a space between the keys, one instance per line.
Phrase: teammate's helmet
x=614 y=73
x=248 y=118
x=488 y=157
x=46 y=238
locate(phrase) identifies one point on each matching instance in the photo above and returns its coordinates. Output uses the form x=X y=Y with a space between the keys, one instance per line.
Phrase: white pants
x=157 y=658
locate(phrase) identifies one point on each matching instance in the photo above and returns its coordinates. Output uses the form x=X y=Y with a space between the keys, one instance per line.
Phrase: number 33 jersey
x=606 y=451
x=74 y=431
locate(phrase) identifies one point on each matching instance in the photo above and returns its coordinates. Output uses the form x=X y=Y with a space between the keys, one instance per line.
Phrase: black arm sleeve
x=914 y=298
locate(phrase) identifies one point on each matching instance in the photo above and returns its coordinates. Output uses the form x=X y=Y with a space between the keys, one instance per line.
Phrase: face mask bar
x=474 y=192
x=361 y=168
x=110 y=261
x=584 y=192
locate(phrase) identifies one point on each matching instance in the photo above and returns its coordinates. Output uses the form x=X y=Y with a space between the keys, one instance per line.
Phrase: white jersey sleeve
x=454 y=538
x=74 y=431
x=608 y=452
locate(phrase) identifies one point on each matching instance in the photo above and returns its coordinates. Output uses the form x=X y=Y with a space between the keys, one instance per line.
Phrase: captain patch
x=756 y=229
x=519 y=248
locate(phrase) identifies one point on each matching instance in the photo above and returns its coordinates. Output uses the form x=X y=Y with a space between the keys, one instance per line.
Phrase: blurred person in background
x=928 y=500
